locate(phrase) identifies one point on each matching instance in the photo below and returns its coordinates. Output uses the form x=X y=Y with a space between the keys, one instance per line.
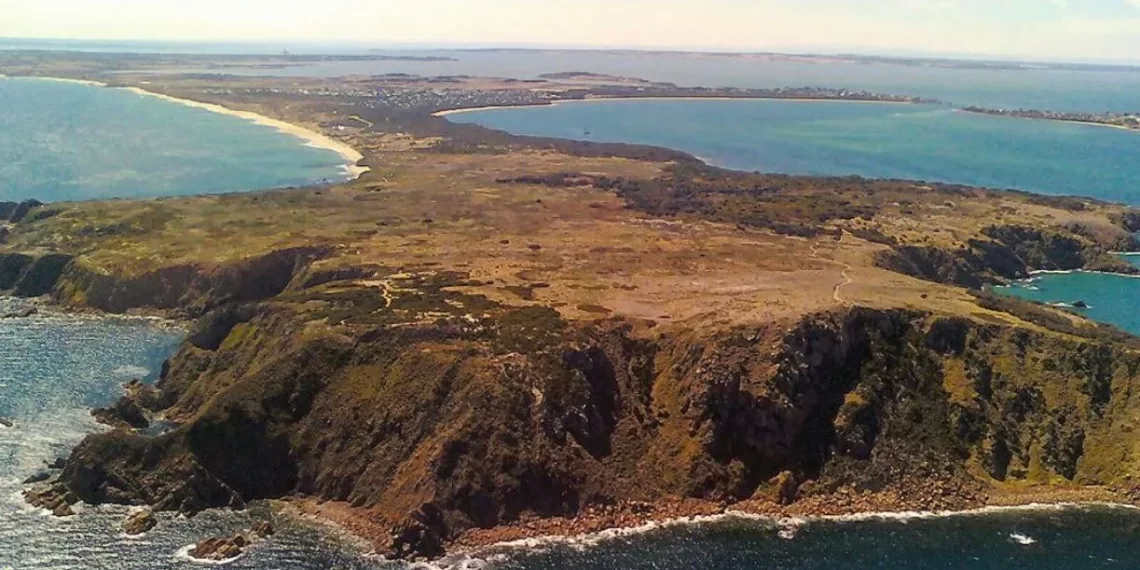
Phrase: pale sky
x=1070 y=29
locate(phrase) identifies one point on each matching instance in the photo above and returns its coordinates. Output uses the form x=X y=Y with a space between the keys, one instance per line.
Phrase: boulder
x=7 y=423
x=124 y=413
x=37 y=478
x=53 y=498
x=420 y=535
x=140 y=522
x=263 y=529
x=220 y=548
x=785 y=486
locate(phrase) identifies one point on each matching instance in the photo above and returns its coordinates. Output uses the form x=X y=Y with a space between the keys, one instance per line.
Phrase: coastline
x=312 y=138
x=722 y=513
x=598 y=524
x=66 y=80
x=448 y=112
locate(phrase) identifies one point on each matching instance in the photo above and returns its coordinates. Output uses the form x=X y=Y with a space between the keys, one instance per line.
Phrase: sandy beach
x=312 y=138
x=632 y=99
x=65 y=80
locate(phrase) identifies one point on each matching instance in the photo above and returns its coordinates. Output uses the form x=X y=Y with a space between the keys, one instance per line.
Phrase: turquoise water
x=64 y=141
x=917 y=142
x=1111 y=298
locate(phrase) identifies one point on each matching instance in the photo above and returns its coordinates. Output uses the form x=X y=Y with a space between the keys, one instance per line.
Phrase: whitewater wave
x=183 y=555
x=1072 y=271
x=1022 y=539
x=586 y=541
x=786 y=527
x=461 y=562
x=131 y=372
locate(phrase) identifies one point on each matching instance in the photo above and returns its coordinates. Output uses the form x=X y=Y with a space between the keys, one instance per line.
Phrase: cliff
x=1006 y=253
x=437 y=428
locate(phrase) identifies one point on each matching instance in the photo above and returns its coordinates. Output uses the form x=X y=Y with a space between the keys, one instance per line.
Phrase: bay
x=836 y=138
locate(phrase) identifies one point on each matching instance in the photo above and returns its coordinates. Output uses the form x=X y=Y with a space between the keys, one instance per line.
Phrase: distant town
x=406 y=92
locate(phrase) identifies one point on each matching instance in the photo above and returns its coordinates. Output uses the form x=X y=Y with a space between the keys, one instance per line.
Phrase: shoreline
x=449 y=112
x=599 y=524
x=1037 y=272
x=311 y=137
x=781 y=523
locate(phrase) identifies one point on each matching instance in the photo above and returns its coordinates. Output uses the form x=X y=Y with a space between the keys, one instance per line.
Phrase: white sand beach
x=312 y=138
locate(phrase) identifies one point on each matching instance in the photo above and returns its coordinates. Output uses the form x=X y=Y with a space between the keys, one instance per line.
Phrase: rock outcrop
x=16 y=211
x=54 y=498
x=219 y=549
x=223 y=548
x=1009 y=253
x=124 y=413
x=31 y=275
x=140 y=522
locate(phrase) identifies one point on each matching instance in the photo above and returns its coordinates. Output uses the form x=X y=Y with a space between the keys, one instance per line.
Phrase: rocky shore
x=632 y=517
x=229 y=548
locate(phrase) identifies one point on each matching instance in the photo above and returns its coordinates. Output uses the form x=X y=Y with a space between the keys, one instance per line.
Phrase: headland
x=490 y=337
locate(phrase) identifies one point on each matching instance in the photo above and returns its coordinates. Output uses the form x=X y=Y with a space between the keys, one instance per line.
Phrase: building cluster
x=403 y=98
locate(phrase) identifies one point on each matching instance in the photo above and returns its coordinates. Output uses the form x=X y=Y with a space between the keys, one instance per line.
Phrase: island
x=489 y=337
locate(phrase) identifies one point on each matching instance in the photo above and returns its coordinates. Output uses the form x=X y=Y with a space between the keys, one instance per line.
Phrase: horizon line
x=846 y=51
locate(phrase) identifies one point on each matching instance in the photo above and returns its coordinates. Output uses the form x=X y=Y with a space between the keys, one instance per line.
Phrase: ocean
x=1110 y=298
x=875 y=140
x=63 y=141
x=1049 y=539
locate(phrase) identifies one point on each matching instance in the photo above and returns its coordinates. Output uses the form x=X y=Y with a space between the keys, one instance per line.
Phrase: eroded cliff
x=464 y=422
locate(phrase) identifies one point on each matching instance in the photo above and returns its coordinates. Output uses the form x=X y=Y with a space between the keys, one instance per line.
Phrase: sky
x=1095 y=30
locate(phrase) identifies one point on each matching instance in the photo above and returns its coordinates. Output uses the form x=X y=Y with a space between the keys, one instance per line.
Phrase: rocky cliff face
x=31 y=275
x=187 y=290
x=459 y=423
x=1008 y=253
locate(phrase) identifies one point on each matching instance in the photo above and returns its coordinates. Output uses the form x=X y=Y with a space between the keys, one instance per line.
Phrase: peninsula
x=1130 y=121
x=487 y=337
